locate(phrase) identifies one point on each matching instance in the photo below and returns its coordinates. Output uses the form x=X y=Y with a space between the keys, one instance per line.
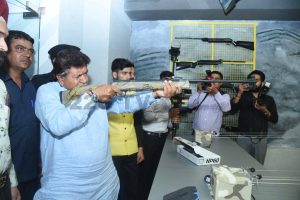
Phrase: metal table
x=175 y=172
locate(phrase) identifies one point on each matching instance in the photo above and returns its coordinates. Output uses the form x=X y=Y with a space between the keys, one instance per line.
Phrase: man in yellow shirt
x=125 y=149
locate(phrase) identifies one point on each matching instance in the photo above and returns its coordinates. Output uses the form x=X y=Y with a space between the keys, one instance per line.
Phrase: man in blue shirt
x=76 y=158
x=23 y=126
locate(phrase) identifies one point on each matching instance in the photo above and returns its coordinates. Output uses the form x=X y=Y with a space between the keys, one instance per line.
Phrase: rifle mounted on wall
x=187 y=64
x=244 y=44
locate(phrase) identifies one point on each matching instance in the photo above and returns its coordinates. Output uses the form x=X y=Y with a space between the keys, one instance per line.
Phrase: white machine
x=195 y=153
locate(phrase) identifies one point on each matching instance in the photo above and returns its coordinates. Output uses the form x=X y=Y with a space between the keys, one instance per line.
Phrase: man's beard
x=2 y=58
x=257 y=88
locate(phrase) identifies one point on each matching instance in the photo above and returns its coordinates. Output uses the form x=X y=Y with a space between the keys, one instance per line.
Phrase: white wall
x=30 y=26
x=100 y=28
x=120 y=32
x=48 y=33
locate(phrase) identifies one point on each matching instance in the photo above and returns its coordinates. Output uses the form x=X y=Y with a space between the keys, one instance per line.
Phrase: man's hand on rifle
x=242 y=89
x=106 y=92
x=212 y=89
x=199 y=87
x=174 y=115
x=170 y=90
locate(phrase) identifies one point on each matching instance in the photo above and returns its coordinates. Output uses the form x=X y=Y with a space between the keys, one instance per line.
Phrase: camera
x=262 y=92
x=174 y=53
x=251 y=86
x=205 y=85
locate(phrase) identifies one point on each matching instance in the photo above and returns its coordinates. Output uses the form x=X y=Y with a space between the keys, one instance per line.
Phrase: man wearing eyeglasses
x=23 y=126
x=75 y=151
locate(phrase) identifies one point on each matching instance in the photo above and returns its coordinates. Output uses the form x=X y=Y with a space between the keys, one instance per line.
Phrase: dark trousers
x=257 y=148
x=127 y=170
x=27 y=189
x=153 y=146
x=5 y=192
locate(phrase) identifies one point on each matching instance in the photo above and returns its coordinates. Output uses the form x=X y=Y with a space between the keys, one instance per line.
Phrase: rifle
x=244 y=44
x=67 y=96
x=187 y=64
x=70 y=95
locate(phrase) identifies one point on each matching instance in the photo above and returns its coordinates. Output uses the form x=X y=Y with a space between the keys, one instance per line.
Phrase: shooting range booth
x=188 y=37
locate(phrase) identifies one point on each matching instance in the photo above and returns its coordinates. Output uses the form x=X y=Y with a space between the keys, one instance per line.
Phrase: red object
x=4 y=9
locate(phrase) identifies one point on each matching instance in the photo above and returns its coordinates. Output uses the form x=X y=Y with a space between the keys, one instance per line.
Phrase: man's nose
x=27 y=53
x=84 y=79
x=128 y=77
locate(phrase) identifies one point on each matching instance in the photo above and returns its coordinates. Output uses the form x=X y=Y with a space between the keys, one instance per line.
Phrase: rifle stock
x=244 y=44
x=185 y=65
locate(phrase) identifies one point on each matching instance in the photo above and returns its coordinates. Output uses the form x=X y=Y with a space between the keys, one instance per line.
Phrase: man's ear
x=115 y=75
x=60 y=79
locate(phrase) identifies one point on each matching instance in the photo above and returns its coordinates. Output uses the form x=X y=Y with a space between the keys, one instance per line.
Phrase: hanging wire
x=18 y=3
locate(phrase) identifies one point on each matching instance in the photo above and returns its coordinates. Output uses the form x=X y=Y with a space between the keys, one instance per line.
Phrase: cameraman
x=256 y=110
x=209 y=103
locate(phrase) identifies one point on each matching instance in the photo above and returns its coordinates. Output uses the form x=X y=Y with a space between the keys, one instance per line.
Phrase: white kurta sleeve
x=55 y=117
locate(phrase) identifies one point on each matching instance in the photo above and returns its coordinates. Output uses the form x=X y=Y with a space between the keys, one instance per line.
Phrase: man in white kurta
x=76 y=158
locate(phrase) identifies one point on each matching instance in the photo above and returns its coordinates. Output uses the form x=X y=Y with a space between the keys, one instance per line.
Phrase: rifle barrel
x=198 y=80
x=189 y=38
x=217 y=40
x=222 y=81
x=147 y=85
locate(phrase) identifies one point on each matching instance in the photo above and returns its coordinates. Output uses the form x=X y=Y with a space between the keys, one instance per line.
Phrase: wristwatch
x=93 y=95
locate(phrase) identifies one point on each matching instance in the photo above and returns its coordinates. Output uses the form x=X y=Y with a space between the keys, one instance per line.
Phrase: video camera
x=251 y=86
x=205 y=85
x=262 y=92
x=180 y=101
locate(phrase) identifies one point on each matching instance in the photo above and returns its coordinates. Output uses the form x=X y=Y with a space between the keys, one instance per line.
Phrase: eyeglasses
x=77 y=77
x=167 y=78
x=80 y=76
x=22 y=49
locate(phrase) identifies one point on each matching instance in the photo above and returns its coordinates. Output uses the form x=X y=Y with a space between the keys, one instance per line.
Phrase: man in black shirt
x=23 y=124
x=256 y=110
x=42 y=79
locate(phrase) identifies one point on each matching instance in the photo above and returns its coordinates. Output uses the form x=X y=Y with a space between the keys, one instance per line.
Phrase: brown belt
x=3 y=179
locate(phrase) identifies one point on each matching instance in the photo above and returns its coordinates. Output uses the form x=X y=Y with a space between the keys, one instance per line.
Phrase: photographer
x=256 y=110
x=209 y=103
